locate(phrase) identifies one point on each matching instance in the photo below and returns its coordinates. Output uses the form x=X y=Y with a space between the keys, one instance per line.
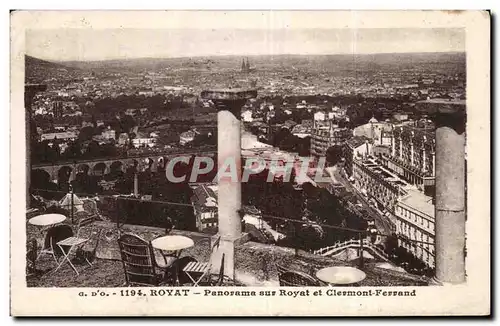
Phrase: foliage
x=334 y=154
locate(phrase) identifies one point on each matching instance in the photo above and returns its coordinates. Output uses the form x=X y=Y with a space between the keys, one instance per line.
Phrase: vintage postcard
x=250 y=163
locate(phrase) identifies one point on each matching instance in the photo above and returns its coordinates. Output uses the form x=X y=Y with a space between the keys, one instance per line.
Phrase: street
x=381 y=222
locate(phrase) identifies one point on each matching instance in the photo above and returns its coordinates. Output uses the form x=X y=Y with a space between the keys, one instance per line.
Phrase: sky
x=85 y=44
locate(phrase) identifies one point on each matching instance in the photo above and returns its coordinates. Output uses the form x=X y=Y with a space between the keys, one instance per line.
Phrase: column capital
x=446 y=113
x=230 y=99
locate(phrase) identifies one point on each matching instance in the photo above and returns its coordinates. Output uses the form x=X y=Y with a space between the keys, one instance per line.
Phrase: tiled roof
x=201 y=201
x=356 y=141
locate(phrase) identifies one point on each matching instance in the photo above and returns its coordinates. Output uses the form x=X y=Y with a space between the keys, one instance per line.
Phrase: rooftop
x=418 y=201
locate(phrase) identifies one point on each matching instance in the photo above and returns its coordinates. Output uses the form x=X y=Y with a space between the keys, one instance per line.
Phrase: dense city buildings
x=326 y=134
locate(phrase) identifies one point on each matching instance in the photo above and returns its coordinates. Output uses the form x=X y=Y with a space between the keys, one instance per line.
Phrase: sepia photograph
x=230 y=161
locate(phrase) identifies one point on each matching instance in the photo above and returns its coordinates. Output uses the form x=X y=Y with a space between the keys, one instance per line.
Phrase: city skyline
x=114 y=44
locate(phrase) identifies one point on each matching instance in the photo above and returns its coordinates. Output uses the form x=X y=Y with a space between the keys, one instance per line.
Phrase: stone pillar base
x=435 y=281
x=227 y=247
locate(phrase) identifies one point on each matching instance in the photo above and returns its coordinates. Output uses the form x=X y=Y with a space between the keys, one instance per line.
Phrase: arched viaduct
x=153 y=161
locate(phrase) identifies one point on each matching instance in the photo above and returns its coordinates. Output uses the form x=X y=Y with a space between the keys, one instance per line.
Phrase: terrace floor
x=255 y=263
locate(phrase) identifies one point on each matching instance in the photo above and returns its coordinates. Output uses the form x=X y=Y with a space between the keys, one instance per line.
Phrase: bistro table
x=340 y=275
x=45 y=222
x=171 y=247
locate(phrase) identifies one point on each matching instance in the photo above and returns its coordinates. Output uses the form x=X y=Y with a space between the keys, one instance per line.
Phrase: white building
x=68 y=135
x=415 y=225
x=379 y=132
x=187 y=137
x=143 y=141
x=319 y=116
x=246 y=116
x=123 y=139
x=339 y=113
x=204 y=201
x=109 y=134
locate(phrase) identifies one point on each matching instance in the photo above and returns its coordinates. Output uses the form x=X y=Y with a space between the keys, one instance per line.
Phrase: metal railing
x=339 y=246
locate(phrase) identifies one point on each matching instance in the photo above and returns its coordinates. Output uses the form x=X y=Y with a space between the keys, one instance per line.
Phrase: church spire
x=243 y=66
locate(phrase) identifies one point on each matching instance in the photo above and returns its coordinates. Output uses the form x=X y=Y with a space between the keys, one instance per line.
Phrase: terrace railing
x=364 y=244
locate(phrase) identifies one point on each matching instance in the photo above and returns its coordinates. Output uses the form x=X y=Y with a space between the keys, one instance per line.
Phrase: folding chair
x=202 y=269
x=138 y=261
x=74 y=243
x=219 y=281
x=53 y=235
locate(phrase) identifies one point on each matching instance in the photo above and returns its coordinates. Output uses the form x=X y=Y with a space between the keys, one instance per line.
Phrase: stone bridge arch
x=65 y=174
x=40 y=177
x=83 y=169
x=100 y=169
x=148 y=163
x=116 y=166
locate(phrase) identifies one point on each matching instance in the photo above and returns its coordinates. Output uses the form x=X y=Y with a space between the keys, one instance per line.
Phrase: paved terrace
x=255 y=263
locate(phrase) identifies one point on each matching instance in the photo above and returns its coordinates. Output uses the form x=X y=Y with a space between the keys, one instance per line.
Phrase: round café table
x=171 y=247
x=45 y=222
x=340 y=275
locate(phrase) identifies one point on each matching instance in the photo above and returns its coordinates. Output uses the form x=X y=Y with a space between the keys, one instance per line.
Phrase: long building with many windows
x=378 y=183
x=413 y=155
x=415 y=226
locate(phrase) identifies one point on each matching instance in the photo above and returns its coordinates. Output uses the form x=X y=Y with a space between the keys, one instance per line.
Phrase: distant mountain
x=39 y=71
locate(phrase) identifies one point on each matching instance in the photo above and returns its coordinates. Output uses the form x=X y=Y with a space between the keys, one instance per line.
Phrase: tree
x=334 y=154
x=86 y=133
x=93 y=149
x=74 y=150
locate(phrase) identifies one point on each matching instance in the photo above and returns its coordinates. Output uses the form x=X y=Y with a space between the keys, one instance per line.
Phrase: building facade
x=415 y=226
x=204 y=201
x=379 y=185
x=68 y=135
x=413 y=155
x=144 y=141
x=325 y=135
x=355 y=148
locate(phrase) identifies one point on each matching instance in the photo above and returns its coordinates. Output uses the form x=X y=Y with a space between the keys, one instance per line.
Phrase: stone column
x=450 y=194
x=393 y=146
x=433 y=154
x=136 y=183
x=29 y=92
x=424 y=158
x=400 y=146
x=412 y=153
x=228 y=103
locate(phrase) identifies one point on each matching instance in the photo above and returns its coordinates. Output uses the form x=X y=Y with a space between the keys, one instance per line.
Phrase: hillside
x=38 y=71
